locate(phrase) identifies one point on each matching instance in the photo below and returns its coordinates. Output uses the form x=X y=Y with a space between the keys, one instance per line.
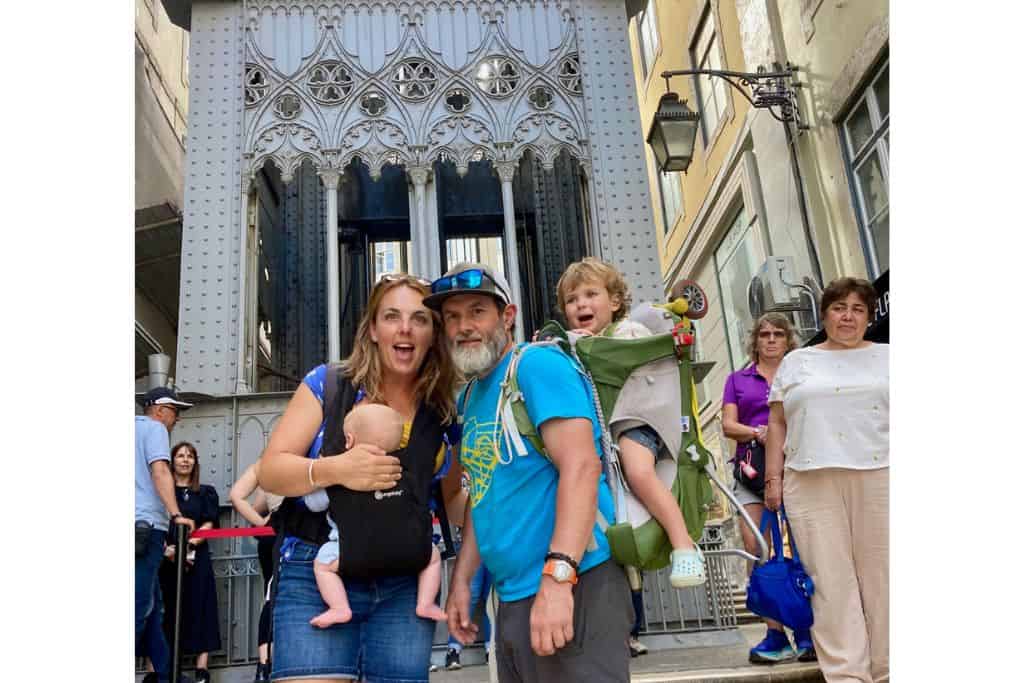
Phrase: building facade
x=815 y=196
x=161 y=111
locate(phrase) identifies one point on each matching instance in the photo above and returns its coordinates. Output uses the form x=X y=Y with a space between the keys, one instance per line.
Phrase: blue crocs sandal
x=687 y=568
x=773 y=649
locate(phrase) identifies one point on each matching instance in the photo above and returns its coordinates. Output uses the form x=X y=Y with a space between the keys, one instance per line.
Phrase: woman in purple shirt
x=744 y=420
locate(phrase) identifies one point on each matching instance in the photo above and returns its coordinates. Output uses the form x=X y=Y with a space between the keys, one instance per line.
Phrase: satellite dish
x=755 y=297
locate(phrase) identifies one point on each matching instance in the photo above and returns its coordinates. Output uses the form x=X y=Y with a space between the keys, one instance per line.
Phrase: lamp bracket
x=772 y=90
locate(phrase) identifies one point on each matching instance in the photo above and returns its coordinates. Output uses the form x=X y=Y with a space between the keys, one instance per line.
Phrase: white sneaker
x=636 y=648
x=687 y=568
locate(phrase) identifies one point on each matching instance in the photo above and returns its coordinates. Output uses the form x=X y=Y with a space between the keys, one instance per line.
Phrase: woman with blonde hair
x=828 y=456
x=400 y=359
x=745 y=421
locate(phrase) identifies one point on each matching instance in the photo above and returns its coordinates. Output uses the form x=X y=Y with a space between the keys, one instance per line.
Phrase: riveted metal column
x=506 y=171
x=330 y=178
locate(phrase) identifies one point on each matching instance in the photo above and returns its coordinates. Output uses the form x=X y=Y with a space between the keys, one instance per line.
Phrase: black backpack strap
x=442 y=518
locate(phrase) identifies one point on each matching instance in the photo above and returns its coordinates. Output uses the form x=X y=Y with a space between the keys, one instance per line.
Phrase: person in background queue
x=199 y=625
x=155 y=505
x=259 y=513
x=745 y=420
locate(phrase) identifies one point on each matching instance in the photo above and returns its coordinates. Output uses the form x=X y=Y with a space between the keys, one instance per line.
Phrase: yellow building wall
x=677 y=22
x=836 y=45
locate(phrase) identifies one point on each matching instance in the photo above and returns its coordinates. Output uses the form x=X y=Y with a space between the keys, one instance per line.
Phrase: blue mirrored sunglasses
x=467 y=279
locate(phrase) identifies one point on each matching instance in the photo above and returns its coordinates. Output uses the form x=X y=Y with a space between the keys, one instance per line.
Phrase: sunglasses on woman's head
x=467 y=279
x=403 y=277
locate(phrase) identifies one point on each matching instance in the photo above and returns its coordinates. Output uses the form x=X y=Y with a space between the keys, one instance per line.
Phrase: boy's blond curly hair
x=593 y=269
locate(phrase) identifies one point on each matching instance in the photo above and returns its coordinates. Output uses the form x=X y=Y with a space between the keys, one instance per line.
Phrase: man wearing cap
x=565 y=611
x=155 y=504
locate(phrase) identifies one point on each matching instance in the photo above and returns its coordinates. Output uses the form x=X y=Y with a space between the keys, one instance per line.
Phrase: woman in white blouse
x=830 y=417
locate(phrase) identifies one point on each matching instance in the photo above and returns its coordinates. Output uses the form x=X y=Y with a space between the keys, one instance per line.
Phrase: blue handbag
x=780 y=589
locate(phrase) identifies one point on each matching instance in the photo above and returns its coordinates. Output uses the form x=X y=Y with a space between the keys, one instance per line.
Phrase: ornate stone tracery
x=502 y=62
x=329 y=82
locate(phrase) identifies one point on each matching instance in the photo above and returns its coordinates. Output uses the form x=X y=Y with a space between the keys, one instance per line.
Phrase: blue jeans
x=149 y=609
x=479 y=589
x=385 y=642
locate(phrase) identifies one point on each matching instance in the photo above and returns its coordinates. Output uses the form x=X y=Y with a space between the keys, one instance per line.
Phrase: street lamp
x=673 y=133
x=674 y=127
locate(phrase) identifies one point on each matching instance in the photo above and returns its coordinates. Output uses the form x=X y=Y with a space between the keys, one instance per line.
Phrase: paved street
x=708 y=658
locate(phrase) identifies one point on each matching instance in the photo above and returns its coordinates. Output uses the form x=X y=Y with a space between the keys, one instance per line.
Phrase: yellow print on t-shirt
x=478 y=456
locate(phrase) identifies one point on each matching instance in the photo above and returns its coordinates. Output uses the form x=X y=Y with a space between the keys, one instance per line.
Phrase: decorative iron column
x=330 y=178
x=423 y=247
x=247 y=213
x=506 y=171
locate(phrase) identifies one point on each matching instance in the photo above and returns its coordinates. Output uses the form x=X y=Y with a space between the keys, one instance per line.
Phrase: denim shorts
x=384 y=643
x=646 y=437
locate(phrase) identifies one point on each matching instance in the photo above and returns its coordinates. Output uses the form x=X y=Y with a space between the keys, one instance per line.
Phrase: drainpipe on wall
x=159 y=367
x=812 y=246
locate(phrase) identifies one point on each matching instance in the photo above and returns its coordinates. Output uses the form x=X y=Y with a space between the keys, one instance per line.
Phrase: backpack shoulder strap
x=511 y=412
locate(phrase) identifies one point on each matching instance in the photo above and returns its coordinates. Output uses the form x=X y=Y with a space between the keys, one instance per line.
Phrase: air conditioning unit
x=776 y=289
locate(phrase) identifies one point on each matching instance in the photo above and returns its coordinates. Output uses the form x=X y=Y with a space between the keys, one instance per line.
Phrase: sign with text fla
x=878 y=330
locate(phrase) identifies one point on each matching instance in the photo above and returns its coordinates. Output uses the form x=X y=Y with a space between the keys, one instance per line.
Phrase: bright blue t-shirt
x=513 y=505
x=152 y=443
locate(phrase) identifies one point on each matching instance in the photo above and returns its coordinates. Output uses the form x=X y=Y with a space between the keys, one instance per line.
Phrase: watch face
x=563 y=571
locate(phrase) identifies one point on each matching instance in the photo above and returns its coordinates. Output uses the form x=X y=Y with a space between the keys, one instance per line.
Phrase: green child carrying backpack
x=653 y=376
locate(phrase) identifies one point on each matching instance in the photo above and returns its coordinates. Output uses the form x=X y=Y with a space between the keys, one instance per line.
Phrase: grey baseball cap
x=469 y=278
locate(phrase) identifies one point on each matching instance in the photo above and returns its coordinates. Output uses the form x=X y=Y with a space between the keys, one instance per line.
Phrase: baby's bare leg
x=638 y=463
x=332 y=590
x=426 y=590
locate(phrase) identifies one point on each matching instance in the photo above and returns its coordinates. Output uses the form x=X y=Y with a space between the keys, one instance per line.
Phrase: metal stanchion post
x=179 y=572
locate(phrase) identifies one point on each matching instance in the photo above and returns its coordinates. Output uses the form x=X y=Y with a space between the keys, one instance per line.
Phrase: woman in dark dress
x=200 y=624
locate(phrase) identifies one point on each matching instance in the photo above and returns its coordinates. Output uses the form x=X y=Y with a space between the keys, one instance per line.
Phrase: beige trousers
x=840 y=518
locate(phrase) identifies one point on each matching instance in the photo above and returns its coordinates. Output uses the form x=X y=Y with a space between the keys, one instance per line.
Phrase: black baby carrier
x=381 y=533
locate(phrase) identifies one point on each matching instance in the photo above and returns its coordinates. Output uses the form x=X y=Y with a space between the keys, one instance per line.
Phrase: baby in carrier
x=595 y=299
x=366 y=423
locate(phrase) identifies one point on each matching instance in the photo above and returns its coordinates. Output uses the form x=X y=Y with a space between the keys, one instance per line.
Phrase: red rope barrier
x=232 y=533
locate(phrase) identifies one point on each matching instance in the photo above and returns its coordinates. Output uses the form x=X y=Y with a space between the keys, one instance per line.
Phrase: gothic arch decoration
x=546 y=134
x=286 y=144
x=461 y=139
x=376 y=142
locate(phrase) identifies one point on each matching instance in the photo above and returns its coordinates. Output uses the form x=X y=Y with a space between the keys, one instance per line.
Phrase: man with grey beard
x=533 y=519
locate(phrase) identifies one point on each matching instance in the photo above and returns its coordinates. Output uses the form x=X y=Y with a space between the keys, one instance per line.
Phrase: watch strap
x=549 y=570
x=564 y=558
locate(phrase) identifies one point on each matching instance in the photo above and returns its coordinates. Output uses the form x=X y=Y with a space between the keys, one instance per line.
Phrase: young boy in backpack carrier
x=594 y=298
x=366 y=423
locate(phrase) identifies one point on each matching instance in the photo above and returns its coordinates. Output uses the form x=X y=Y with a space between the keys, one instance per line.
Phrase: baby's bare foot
x=431 y=611
x=332 y=616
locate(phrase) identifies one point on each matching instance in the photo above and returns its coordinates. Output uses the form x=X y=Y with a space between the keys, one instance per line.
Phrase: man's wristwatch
x=561 y=571
x=561 y=567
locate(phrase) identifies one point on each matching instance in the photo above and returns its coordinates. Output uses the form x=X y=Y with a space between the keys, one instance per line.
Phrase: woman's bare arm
x=732 y=427
x=286 y=471
x=774 y=460
x=240 y=492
